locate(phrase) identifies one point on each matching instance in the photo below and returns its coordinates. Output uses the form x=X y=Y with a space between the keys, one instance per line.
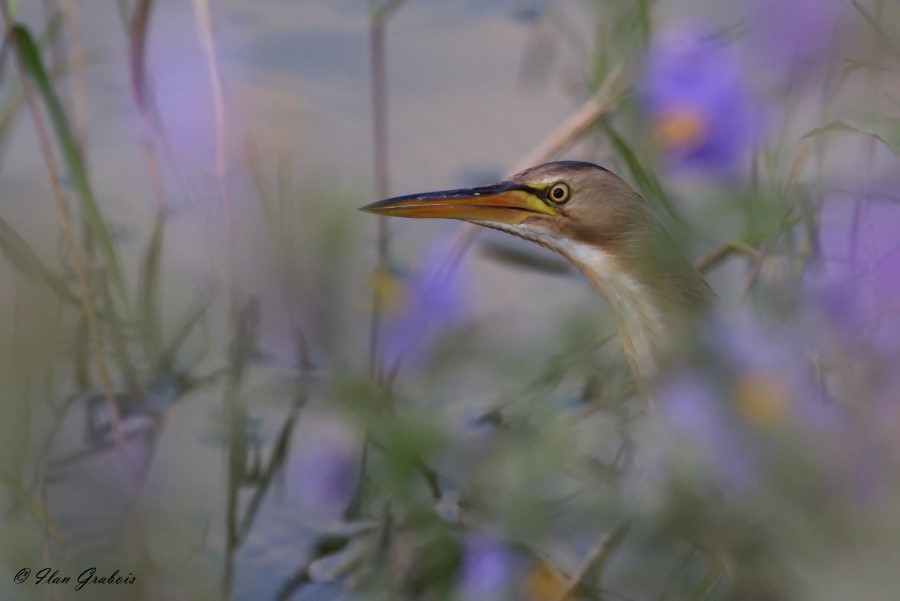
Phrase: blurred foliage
x=767 y=468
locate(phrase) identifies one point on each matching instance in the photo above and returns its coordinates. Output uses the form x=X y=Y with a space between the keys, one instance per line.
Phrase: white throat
x=642 y=331
x=641 y=328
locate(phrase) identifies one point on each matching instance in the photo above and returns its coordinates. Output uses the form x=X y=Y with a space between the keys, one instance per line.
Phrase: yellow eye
x=558 y=193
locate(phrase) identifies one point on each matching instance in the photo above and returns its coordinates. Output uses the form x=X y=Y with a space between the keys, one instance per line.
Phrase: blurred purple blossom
x=695 y=94
x=487 y=570
x=697 y=414
x=858 y=283
x=857 y=289
x=793 y=33
x=434 y=300
x=772 y=371
x=322 y=469
x=753 y=396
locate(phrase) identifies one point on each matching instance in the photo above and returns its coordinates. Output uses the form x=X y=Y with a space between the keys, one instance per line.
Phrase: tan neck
x=642 y=331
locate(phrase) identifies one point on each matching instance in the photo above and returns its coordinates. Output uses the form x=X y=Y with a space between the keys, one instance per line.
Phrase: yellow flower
x=681 y=128
x=387 y=286
x=762 y=400
x=545 y=583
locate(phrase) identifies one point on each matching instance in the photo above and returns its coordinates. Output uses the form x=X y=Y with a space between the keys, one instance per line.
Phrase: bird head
x=555 y=205
x=580 y=210
x=594 y=219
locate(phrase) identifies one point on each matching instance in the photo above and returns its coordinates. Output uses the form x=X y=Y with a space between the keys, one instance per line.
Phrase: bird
x=596 y=221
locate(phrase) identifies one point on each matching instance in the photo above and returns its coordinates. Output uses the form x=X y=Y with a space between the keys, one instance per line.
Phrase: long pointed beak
x=506 y=202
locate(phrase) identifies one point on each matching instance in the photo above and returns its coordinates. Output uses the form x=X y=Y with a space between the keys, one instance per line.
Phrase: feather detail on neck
x=642 y=331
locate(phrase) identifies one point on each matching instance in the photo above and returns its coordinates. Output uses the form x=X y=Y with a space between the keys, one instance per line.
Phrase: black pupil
x=559 y=193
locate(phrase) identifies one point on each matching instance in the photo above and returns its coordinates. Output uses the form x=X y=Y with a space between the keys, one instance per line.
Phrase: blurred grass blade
x=81 y=371
x=9 y=111
x=137 y=47
x=884 y=129
x=806 y=213
x=36 y=511
x=191 y=319
x=521 y=258
x=851 y=65
x=16 y=96
x=276 y=461
x=709 y=583
x=254 y=163
x=644 y=19
x=26 y=261
x=381 y=10
x=53 y=29
x=884 y=36
x=117 y=337
x=31 y=61
x=645 y=179
x=148 y=289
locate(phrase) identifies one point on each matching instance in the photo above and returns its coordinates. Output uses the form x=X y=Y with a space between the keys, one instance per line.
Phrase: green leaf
x=26 y=261
x=9 y=111
x=148 y=290
x=851 y=65
x=192 y=317
x=885 y=37
x=117 y=336
x=709 y=583
x=381 y=11
x=36 y=510
x=644 y=19
x=31 y=60
x=16 y=96
x=644 y=178
x=884 y=129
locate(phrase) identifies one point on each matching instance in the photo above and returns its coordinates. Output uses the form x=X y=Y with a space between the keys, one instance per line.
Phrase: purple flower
x=753 y=394
x=791 y=33
x=698 y=416
x=858 y=284
x=322 y=470
x=694 y=93
x=771 y=373
x=487 y=570
x=766 y=405
x=433 y=301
